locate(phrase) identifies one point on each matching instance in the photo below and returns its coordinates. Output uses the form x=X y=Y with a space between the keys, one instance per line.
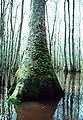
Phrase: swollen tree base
x=35 y=77
x=31 y=90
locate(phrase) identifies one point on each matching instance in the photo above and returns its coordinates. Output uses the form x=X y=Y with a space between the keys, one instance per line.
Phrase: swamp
x=41 y=60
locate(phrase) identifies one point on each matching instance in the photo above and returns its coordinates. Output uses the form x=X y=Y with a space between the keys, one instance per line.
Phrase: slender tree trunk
x=1 y=35
x=73 y=48
x=7 y=37
x=36 y=79
x=65 y=57
x=19 y=39
x=53 y=30
x=55 y=53
x=11 y=32
x=2 y=42
x=59 y=47
x=69 y=35
x=79 y=36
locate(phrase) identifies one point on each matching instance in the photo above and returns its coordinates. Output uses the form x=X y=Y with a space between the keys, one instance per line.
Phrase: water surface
x=70 y=107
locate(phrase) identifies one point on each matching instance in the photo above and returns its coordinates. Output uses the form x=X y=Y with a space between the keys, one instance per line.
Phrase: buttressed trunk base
x=36 y=79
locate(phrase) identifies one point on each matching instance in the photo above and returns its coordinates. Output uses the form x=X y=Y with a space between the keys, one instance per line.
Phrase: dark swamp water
x=70 y=107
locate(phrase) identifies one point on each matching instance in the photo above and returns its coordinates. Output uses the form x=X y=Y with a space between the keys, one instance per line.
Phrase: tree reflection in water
x=70 y=106
x=7 y=111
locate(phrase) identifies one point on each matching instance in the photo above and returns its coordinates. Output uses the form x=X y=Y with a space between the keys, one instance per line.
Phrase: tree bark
x=65 y=44
x=79 y=69
x=73 y=69
x=36 y=79
x=69 y=35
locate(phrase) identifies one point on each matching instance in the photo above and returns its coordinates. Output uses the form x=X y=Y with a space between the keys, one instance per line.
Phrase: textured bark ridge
x=36 y=78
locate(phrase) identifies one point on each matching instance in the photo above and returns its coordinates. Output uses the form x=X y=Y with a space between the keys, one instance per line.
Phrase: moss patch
x=21 y=72
x=13 y=100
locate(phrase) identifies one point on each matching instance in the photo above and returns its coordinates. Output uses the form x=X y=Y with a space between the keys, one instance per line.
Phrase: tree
x=69 y=35
x=2 y=40
x=73 y=48
x=36 y=78
x=79 y=69
x=19 y=40
x=65 y=53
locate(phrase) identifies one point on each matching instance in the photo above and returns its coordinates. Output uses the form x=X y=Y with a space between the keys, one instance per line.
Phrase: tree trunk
x=65 y=54
x=19 y=40
x=69 y=35
x=73 y=69
x=36 y=79
x=79 y=69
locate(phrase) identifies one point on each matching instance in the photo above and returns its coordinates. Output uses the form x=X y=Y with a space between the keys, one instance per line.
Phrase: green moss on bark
x=21 y=72
x=36 y=72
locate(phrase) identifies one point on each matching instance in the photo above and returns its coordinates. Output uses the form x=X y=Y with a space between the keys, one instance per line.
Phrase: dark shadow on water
x=35 y=111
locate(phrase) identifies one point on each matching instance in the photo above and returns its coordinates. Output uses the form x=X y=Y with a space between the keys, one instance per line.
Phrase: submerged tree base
x=31 y=90
x=72 y=69
x=66 y=70
x=36 y=79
